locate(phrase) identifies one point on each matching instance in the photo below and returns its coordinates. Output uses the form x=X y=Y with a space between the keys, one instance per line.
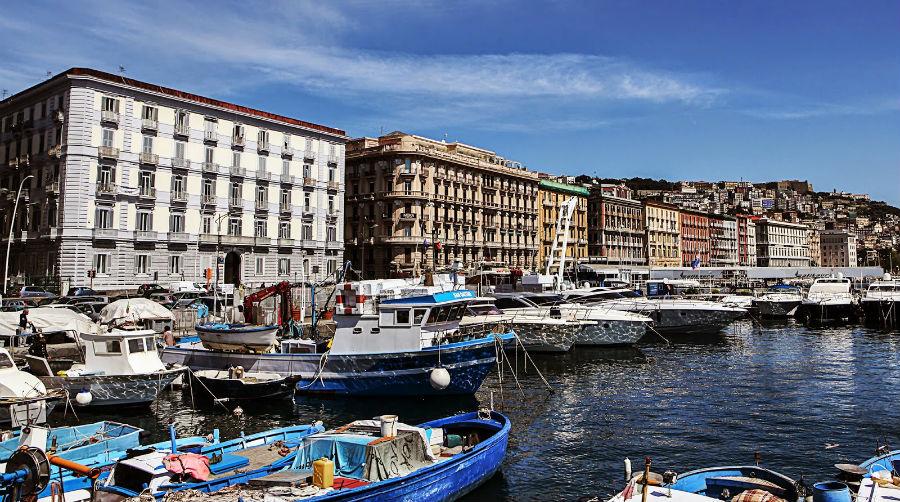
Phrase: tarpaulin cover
x=134 y=309
x=347 y=451
x=192 y=464
x=395 y=457
x=48 y=320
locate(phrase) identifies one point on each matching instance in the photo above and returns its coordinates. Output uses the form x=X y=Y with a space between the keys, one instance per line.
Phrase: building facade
x=662 y=222
x=838 y=249
x=695 y=241
x=129 y=183
x=552 y=195
x=815 y=247
x=723 y=235
x=416 y=203
x=746 y=240
x=616 y=234
x=781 y=244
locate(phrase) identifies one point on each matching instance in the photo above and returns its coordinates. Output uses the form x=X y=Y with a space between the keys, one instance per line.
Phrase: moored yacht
x=829 y=299
x=780 y=301
x=880 y=305
x=536 y=329
x=23 y=398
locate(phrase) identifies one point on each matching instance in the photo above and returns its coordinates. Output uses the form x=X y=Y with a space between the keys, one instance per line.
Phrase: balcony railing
x=179 y=237
x=285 y=207
x=285 y=242
x=235 y=202
x=181 y=163
x=52 y=188
x=149 y=158
x=145 y=236
x=237 y=171
x=210 y=136
x=407 y=216
x=210 y=167
x=334 y=186
x=287 y=152
x=109 y=117
x=183 y=129
x=262 y=205
x=309 y=182
x=147 y=192
x=237 y=141
x=55 y=152
x=108 y=152
x=260 y=240
x=149 y=124
x=288 y=179
x=309 y=154
x=333 y=159
x=179 y=196
x=262 y=146
x=106 y=188
x=105 y=233
x=207 y=199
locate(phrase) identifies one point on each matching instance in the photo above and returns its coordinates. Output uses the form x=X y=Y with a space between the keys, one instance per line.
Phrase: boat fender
x=84 y=397
x=628 y=472
x=440 y=378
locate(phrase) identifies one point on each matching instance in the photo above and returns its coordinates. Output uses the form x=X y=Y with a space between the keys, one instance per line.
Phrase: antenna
x=121 y=70
x=5 y=92
x=49 y=73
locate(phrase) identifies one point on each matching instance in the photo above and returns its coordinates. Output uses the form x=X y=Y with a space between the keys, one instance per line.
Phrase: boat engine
x=27 y=472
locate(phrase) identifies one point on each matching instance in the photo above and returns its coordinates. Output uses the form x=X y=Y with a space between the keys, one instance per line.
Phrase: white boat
x=120 y=368
x=237 y=337
x=880 y=304
x=670 y=315
x=781 y=301
x=537 y=333
x=138 y=312
x=828 y=299
x=735 y=300
x=23 y=397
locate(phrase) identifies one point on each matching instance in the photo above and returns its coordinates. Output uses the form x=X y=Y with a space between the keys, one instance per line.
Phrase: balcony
x=183 y=129
x=262 y=241
x=237 y=141
x=287 y=179
x=105 y=233
x=333 y=159
x=237 y=240
x=334 y=186
x=262 y=147
x=331 y=217
x=403 y=239
x=309 y=154
x=181 y=163
x=407 y=217
x=179 y=237
x=284 y=207
x=54 y=152
x=237 y=171
x=151 y=159
x=284 y=242
x=309 y=182
x=108 y=152
x=106 y=188
x=208 y=199
x=287 y=151
x=402 y=194
x=308 y=214
x=59 y=116
x=210 y=137
x=52 y=188
x=145 y=236
x=149 y=125
x=262 y=205
x=179 y=196
x=403 y=172
x=146 y=193
x=210 y=167
x=109 y=117
x=236 y=203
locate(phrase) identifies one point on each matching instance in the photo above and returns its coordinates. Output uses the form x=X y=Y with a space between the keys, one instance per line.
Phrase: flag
x=695 y=264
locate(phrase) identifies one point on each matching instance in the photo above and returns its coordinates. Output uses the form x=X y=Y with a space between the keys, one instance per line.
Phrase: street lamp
x=12 y=224
x=218 y=245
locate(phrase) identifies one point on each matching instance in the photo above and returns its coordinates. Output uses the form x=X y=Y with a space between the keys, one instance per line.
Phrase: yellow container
x=323 y=473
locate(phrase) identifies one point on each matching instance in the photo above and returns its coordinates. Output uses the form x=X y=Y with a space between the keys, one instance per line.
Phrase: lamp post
x=218 y=245
x=12 y=224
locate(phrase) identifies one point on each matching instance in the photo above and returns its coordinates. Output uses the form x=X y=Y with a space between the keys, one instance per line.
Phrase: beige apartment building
x=838 y=248
x=616 y=233
x=552 y=195
x=663 y=223
x=414 y=203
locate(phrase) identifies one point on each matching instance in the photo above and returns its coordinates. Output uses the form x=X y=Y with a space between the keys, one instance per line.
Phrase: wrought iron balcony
x=334 y=186
x=237 y=141
x=262 y=147
x=181 y=163
x=237 y=171
x=309 y=182
x=146 y=236
x=179 y=196
x=147 y=192
x=108 y=152
x=285 y=207
x=149 y=124
x=262 y=205
x=235 y=202
x=287 y=152
x=207 y=199
x=105 y=233
x=309 y=153
x=210 y=167
x=106 y=188
x=183 y=129
x=54 y=152
x=149 y=158
x=333 y=159
x=109 y=117
x=210 y=136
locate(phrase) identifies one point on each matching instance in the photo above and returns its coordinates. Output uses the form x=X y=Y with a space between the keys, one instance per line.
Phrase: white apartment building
x=838 y=248
x=128 y=183
x=781 y=244
x=723 y=235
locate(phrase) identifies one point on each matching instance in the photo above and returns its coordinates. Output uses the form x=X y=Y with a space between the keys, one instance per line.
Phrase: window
x=144 y=220
x=307 y=171
x=147 y=144
x=331 y=204
x=236 y=159
x=331 y=266
x=176 y=222
x=262 y=194
x=261 y=166
x=307 y=231
x=101 y=263
x=179 y=150
x=260 y=265
x=182 y=120
x=237 y=134
x=146 y=181
x=209 y=129
x=418 y=316
x=260 y=228
x=113 y=347
x=179 y=183
x=401 y=317
x=209 y=187
x=150 y=113
x=142 y=264
x=287 y=142
x=108 y=137
x=307 y=202
x=331 y=233
x=285 y=197
x=284 y=266
x=206 y=224
x=209 y=156
x=262 y=139
x=175 y=264
x=110 y=104
x=104 y=217
x=332 y=173
x=284 y=230
x=285 y=168
x=136 y=345
x=234 y=226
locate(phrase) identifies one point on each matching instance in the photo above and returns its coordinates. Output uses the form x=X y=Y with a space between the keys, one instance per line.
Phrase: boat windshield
x=6 y=362
x=485 y=309
x=446 y=313
x=546 y=300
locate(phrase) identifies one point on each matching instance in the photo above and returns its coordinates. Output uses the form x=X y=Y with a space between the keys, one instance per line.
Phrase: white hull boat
x=237 y=337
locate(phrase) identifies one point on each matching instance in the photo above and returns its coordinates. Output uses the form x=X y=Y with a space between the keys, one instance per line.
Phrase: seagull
x=829 y=446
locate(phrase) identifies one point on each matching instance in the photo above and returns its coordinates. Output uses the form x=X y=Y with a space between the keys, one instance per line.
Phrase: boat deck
x=259 y=456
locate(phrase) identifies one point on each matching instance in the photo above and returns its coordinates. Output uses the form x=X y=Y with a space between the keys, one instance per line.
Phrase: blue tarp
x=347 y=451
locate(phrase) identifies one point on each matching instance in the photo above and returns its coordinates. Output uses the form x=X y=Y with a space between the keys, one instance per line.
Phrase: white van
x=184 y=287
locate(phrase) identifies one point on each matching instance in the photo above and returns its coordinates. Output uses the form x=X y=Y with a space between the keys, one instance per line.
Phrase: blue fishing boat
x=95 y=442
x=735 y=483
x=404 y=346
x=230 y=463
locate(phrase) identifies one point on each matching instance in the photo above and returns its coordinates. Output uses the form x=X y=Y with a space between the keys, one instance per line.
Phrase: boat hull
x=693 y=322
x=775 y=309
x=115 y=390
x=385 y=374
x=250 y=338
x=881 y=313
x=236 y=390
x=536 y=337
x=611 y=333
x=50 y=402
x=823 y=312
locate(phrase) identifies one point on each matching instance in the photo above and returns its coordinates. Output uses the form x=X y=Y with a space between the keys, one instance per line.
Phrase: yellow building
x=663 y=222
x=552 y=196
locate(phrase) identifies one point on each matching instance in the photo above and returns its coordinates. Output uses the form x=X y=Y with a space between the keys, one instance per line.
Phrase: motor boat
x=235 y=384
x=23 y=397
x=829 y=299
x=536 y=332
x=670 y=315
x=880 y=304
x=781 y=300
x=237 y=336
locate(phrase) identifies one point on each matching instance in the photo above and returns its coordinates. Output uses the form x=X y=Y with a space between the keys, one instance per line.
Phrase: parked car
x=35 y=292
x=12 y=305
x=91 y=309
x=184 y=286
x=146 y=290
x=83 y=291
x=185 y=298
x=165 y=299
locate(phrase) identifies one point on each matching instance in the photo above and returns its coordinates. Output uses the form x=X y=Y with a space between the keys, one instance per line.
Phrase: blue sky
x=756 y=90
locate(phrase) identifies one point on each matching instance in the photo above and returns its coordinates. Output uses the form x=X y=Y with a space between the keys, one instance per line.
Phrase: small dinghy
x=237 y=337
x=236 y=384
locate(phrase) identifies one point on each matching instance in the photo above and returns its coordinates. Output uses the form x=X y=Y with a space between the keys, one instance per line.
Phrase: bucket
x=831 y=491
x=388 y=425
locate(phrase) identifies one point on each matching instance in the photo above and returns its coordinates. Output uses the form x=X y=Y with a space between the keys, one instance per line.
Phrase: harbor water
x=804 y=398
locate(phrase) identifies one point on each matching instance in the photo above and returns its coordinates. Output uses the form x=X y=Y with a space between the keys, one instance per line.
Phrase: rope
x=215 y=399
x=319 y=372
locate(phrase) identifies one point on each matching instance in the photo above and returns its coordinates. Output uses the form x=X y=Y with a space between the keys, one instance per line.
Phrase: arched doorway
x=232 y=268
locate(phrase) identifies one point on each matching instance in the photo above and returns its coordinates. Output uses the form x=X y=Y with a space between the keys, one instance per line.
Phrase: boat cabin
x=884 y=289
x=121 y=353
x=830 y=286
x=403 y=324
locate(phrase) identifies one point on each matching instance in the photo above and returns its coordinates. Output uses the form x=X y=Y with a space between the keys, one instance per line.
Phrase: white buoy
x=238 y=411
x=440 y=378
x=627 y=469
x=84 y=397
